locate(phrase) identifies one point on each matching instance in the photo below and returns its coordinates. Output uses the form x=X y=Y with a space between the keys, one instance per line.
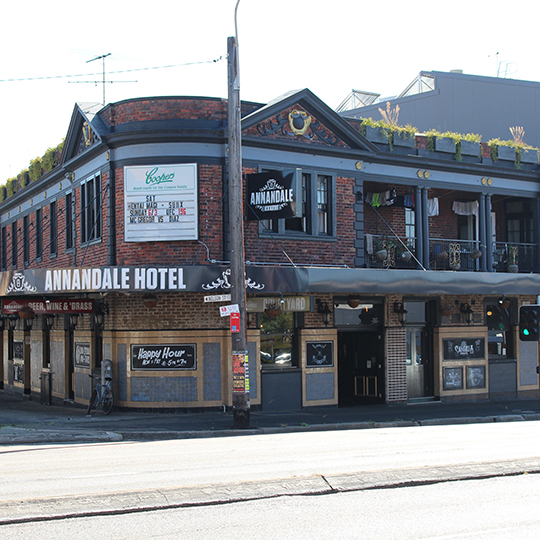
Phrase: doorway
x=419 y=363
x=361 y=378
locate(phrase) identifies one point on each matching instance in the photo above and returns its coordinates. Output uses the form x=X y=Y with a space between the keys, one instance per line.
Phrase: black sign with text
x=163 y=357
x=464 y=348
x=274 y=195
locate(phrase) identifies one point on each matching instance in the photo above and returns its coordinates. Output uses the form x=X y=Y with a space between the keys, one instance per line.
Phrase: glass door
x=415 y=364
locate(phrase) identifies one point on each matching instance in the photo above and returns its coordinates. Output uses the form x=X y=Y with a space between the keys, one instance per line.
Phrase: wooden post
x=240 y=376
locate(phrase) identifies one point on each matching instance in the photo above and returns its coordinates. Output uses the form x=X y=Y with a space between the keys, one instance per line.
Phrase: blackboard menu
x=163 y=357
x=476 y=376
x=319 y=353
x=453 y=378
x=464 y=348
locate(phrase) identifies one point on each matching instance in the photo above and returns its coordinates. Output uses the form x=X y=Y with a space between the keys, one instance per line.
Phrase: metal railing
x=521 y=256
x=456 y=255
x=389 y=252
x=449 y=254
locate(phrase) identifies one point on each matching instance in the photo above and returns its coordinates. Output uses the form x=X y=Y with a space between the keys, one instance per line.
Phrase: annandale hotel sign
x=203 y=278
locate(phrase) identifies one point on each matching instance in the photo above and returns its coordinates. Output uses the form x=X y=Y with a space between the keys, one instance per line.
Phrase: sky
x=179 y=47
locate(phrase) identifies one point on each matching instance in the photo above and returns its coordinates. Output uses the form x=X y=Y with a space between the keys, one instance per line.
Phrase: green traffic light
x=525 y=332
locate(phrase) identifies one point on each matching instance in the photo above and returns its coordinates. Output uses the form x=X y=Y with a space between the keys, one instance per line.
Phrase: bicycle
x=102 y=394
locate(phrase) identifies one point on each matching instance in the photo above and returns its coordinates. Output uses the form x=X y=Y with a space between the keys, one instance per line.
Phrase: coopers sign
x=160 y=203
x=274 y=195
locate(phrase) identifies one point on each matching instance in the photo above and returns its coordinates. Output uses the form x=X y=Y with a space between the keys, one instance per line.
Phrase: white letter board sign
x=161 y=203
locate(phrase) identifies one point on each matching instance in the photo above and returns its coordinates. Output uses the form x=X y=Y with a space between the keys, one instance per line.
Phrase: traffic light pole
x=240 y=371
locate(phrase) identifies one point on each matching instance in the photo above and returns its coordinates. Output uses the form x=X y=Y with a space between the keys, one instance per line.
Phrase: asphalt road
x=55 y=481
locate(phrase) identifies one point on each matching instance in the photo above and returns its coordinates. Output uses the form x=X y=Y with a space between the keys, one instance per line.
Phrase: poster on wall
x=160 y=203
x=163 y=357
x=82 y=354
x=319 y=354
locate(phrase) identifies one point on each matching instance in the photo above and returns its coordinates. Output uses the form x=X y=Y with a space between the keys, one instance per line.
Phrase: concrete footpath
x=24 y=421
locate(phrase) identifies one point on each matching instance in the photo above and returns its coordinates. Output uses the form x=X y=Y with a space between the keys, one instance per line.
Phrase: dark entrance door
x=361 y=368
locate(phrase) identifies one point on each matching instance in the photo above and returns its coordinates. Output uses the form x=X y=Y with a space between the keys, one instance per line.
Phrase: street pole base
x=241 y=418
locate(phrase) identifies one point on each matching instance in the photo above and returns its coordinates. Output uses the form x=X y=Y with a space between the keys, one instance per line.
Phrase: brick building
x=393 y=281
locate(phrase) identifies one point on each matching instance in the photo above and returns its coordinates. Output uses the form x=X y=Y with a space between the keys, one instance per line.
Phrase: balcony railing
x=449 y=254
x=457 y=255
x=391 y=253
x=506 y=254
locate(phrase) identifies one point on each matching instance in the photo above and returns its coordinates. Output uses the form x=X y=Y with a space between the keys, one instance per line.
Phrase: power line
x=111 y=72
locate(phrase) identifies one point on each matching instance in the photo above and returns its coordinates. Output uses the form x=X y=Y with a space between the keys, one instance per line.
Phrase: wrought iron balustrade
x=389 y=252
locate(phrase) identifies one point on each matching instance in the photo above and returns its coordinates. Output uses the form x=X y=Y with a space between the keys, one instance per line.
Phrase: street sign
x=218 y=298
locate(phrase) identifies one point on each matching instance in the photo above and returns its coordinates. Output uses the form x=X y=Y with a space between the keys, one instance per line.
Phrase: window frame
x=311 y=215
x=53 y=229
x=69 y=236
x=26 y=240
x=91 y=212
x=39 y=234
x=14 y=246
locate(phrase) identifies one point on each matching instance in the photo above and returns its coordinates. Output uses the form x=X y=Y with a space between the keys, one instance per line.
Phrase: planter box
x=446 y=145
x=404 y=139
x=506 y=153
x=469 y=148
x=376 y=135
x=529 y=155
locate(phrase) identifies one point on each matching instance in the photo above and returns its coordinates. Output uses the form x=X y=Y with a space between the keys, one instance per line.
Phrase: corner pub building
x=398 y=277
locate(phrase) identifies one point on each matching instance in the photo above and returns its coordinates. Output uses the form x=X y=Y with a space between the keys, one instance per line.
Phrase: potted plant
x=512 y=264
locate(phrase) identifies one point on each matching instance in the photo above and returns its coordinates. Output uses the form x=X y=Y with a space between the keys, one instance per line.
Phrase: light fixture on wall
x=49 y=321
x=504 y=302
x=465 y=308
x=73 y=320
x=324 y=310
x=12 y=321
x=399 y=308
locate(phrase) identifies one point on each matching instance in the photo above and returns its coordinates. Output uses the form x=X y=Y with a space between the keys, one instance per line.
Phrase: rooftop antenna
x=103 y=81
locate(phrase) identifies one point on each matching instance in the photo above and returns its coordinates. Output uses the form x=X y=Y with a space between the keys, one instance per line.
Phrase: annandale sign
x=274 y=195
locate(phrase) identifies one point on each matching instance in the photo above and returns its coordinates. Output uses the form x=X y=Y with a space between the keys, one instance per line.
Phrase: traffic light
x=529 y=321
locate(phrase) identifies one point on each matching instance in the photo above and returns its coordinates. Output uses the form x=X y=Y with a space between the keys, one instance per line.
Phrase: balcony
x=449 y=254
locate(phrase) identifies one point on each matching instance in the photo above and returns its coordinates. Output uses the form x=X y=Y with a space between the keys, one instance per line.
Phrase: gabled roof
x=286 y=117
x=78 y=140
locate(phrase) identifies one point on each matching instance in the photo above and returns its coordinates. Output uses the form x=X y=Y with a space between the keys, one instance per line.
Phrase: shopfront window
x=500 y=337
x=278 y=349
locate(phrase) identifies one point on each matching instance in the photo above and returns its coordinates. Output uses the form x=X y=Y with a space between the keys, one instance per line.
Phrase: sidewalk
x=23 y=421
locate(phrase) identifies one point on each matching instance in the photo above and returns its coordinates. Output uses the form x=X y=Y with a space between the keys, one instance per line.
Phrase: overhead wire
x=111 y=72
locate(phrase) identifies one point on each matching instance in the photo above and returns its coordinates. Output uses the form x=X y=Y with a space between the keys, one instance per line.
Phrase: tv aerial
x=104 y=80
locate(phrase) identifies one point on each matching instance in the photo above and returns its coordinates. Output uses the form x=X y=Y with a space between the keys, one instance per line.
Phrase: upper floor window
x=39 y=233
x=14 y=245
x=91 y=209
x=4 y=248
x=26 y=240
x=69 y=221
x=53 y=229
x=317 y=209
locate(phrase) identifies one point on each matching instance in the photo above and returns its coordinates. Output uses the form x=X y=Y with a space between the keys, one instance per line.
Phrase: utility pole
x=240 y=369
